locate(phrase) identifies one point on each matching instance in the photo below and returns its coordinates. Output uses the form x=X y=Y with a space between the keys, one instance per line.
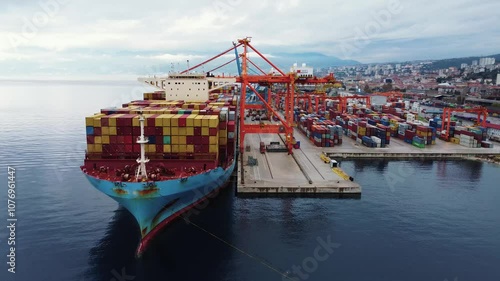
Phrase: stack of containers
x=231 y=127
x=428 y=134
x=159 y=95
x=368 y=142
x=418 y=142
x=176 y=129
x=362 y=129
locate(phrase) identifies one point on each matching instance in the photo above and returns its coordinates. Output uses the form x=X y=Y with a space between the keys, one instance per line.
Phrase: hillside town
x=477 y=82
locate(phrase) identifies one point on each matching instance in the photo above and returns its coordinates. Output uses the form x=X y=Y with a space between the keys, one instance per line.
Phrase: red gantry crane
x=249 y=82
x=448 y=112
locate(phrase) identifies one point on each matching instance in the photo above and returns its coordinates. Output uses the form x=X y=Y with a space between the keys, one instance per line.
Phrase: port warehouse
x=175 y=130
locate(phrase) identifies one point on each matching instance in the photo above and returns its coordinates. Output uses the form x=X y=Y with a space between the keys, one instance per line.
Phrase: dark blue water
x=419 y=220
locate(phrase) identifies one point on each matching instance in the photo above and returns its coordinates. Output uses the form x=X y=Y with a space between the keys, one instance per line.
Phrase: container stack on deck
x=175 y=129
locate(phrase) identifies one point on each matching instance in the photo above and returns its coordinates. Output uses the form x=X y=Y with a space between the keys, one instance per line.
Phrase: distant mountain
x=313 y=59
x=456 y=62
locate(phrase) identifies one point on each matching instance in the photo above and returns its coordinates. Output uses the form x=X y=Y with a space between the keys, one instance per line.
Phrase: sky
x=90 y=38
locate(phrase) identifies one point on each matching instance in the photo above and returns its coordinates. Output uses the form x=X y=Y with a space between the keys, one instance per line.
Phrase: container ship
x=160 y=156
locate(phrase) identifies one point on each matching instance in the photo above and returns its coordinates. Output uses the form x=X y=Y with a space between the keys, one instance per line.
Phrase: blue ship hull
x=155 y=204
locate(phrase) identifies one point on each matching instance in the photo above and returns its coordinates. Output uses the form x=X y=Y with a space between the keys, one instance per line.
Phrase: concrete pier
x=277 y=173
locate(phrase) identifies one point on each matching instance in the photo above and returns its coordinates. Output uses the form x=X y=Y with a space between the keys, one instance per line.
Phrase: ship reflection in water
x=180 y=252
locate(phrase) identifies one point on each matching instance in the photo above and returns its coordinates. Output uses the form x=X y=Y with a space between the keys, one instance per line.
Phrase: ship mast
x=141 y=170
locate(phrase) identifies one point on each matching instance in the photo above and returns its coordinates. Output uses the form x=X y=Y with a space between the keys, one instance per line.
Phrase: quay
x=305 y=174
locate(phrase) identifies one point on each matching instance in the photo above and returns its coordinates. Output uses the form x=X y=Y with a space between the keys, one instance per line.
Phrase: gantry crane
x=392 y=96
x=249 y=83
x=448 y=112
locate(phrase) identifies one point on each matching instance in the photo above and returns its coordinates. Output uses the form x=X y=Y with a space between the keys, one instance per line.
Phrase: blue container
x=152 y=140
x=90 y=130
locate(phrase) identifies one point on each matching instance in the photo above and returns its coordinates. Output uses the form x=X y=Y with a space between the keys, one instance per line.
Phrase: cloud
x=133 y=34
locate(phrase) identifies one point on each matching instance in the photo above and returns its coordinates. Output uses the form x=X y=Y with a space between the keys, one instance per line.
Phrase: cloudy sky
x=71 y=38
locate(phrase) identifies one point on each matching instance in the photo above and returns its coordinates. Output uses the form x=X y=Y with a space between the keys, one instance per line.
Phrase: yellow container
x=182 y=148
x=97 y=122
x=136 y=122
x=189 y=131
x=223 y=133
x=112 y=131
x=213 y=148
x=89 y=121
x=214 y=140
x=174 y=121
x=105 y=139
x=97 y=140
x=90 y=148
x=213 y=121
x=205 y=121
x=151 y=148
x=223 y=141
x=167 y=148
x=105 y=131
x=175 y=148
x=190 y=148
x=98 y=148
x=205 y=131
x=167 y=121
x=174 y=131
x=166 y=131
x=190 y=120
x=174 y=140
x=159 y=120
x=182 y=131
x=198 y=120
x=182 y=140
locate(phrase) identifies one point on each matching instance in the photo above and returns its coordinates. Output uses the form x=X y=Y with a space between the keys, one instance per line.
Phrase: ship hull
x=155 y=204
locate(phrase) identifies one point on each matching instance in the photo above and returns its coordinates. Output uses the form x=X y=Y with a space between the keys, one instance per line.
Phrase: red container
x=105 y=122
x=183 y=120
x=128 y=139
x=205 y=140
x=190 y=140
x=128 y=148
x=231 y=126
x=149 y=131
x=113 y=139
x=223 y=125
x=136 y=148
x=151 y=122
x=213 y=131
x=197 y=131
x=90 y=139
x=120 y=140
x=127 y=131
x=158 y=131
x=97 y=131
x=159 y=148
x=136 y=131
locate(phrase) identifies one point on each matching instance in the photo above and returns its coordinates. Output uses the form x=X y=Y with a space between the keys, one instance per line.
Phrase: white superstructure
x=188 y=86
